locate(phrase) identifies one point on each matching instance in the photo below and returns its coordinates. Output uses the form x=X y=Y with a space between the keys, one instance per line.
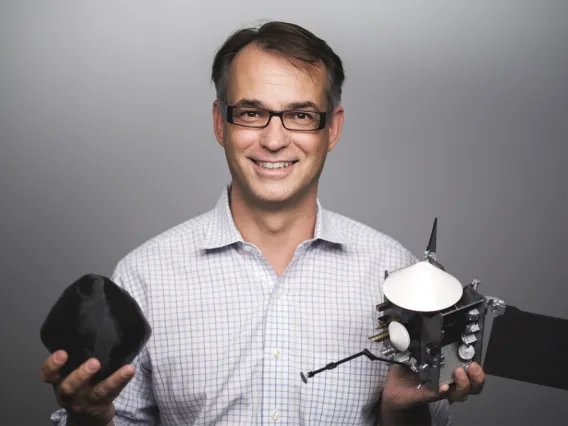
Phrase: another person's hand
x=401 y=392
x=86 y=404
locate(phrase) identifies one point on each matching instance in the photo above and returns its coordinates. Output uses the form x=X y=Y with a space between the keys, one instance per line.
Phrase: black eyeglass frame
x=228 y=112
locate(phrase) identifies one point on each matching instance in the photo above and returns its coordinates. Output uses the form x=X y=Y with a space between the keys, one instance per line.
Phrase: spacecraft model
x=431 y=323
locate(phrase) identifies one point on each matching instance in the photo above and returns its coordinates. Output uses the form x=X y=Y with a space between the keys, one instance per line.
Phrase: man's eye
x=304 y=116
x=251 y=113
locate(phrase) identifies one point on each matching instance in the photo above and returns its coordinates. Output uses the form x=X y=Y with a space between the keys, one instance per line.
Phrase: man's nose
x=275 y=136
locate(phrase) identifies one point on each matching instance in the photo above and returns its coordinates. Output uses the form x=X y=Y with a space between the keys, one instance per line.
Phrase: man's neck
x=277 y=232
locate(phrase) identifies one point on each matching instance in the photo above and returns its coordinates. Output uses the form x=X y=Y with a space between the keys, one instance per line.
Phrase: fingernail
x=461 y=372
x=60 y=356
x=126 y=372
x=474 y=368
x=92 y=366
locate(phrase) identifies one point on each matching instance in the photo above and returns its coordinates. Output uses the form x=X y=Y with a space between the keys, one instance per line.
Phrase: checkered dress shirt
x=230 y=337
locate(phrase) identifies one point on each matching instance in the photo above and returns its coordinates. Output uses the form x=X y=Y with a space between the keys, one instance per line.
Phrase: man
x=267 y=284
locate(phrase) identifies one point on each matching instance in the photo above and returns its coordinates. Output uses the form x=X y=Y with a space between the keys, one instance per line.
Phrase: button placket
x=277 y=340
x=276 y=367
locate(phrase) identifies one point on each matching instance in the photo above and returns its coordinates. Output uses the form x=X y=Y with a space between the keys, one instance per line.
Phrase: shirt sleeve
x=135 y=405
x=440 y=413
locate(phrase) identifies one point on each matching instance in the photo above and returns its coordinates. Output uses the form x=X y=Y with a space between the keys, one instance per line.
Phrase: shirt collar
x=222 y=231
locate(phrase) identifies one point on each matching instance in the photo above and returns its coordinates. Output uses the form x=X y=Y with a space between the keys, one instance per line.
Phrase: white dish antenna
x=422 y=287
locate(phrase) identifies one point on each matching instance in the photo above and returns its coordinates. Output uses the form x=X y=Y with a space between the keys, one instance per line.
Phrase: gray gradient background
x=455 y=109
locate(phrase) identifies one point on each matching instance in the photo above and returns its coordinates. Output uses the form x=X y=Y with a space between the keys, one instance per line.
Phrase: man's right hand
x=86 y=404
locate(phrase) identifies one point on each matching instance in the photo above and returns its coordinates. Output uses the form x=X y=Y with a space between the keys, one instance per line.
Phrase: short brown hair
x=289 y=40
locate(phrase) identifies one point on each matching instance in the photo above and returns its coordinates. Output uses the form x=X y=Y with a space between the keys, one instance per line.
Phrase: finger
x=49 y=371
x=477 y=378
x=108 y=389
x=461 y=386
x=78 y=378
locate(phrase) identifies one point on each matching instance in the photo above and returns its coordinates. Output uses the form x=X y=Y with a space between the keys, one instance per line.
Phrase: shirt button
x=276 y=416
x=276 y=354
x=248 y=248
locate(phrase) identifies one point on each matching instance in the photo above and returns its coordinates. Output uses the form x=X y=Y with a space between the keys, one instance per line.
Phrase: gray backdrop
x=453 y=109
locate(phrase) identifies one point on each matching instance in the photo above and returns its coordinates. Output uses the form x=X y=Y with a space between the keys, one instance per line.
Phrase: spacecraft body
x=434 y=329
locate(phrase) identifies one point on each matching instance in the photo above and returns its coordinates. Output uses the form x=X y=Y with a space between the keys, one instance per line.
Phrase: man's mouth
x=274 y=165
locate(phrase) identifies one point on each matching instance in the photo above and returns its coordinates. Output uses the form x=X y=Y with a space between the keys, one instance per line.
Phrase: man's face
x=272 y=82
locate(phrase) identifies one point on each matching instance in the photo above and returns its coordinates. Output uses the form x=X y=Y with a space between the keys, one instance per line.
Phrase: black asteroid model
x=94 y=317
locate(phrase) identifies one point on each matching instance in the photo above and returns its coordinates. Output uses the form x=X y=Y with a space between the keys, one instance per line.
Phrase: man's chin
x=274 y=199
x=275 y=196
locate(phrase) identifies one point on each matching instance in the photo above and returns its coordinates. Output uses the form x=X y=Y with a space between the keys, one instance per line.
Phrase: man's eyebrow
x=255 y=103
x=302 y=105
x=251 y=103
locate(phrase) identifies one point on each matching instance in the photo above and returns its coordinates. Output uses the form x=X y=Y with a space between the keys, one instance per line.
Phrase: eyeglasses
x=259 y=118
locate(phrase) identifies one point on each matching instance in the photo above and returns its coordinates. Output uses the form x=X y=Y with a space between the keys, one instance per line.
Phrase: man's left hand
x=401 y=388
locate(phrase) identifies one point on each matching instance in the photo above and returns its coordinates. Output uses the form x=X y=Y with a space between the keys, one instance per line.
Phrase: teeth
x=274 y=165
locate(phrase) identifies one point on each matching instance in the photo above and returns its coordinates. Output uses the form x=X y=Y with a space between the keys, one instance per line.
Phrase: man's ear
x=335 y=127
x=218 y=122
